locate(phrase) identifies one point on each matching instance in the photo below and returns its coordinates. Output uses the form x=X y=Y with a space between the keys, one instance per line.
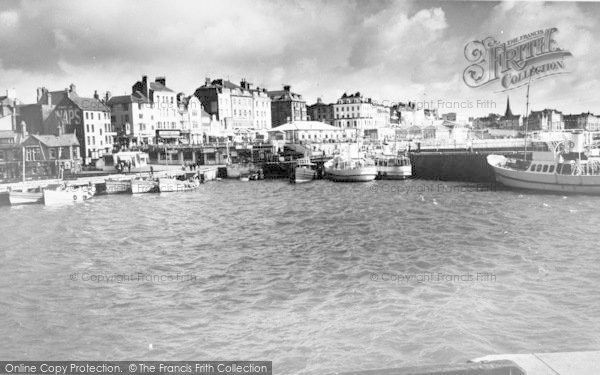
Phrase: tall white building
x=236 y=107
x=151 y=107
x=357 y=112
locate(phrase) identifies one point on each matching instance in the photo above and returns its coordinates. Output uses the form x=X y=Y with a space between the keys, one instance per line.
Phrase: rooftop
x=57 y=140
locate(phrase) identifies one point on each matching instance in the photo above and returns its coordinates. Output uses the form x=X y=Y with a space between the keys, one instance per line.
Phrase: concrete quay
x=456 y=165
x=565 y=363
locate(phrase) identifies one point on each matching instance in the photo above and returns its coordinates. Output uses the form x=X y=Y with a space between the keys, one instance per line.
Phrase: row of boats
x=358 y=169
x=74 y=192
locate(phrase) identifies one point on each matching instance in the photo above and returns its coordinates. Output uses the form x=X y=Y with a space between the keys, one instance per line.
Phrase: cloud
x=396 y=50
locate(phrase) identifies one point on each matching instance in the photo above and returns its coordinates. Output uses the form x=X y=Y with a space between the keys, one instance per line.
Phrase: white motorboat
x=118 y=186
x=553 y=168
x=174 y=184
x=393 y=167
x=26 y=197
x=304 y=171
x=68 y=194
x=140 y=185
x=350 y=169
x=236 y=170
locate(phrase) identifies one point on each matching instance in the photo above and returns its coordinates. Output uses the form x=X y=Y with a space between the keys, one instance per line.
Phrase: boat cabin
x=399 y=161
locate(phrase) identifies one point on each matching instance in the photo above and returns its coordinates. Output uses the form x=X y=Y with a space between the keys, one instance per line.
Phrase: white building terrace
x=306 y=131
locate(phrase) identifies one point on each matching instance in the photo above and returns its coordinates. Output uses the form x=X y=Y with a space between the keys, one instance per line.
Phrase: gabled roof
x=138 y=97
x=8 y=134
x=282 y=95
x=87 y=104
x=157 y=86
x=57 y=140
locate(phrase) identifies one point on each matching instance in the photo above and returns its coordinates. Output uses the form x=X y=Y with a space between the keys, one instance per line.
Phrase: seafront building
x=364 y=116
x=46 y=156
x=90 y=120
x=320 y=112
x=197 y=125
x=65 y=112
x=549 y=120
x=586 y=121
x=286 y=106
x=154 y=113
x=8 y=111
x=238 y=108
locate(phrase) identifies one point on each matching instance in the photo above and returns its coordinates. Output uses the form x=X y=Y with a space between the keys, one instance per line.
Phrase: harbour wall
x=455 y=166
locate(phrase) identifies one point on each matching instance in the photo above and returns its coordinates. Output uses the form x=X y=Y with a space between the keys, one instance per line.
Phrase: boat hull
x=237 y=170
x=304 y=174
x=360 y=174
x=394 y=173
x=172 y=185
x=118 y=187
x=20 y=197
x=68 y=195
x=144 y=186
x=549 y=182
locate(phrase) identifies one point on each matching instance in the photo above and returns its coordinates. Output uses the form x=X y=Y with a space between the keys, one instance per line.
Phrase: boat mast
x=527 y=122
x=23 y=168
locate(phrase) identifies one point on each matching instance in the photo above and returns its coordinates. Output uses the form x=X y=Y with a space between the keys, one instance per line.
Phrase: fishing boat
x=393 y=167
x=67 y=194
x=304 y=171
x=182 y=183
x=117 y=186
x=26 y=196
x=236 y=170
x=345 y=169
x=142 y=185
x=562 y=167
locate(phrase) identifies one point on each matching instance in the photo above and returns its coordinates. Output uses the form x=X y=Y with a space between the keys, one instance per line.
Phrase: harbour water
x=318 y=277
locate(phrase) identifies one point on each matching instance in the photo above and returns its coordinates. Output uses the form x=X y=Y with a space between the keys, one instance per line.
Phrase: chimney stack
x=108 y=96
x=39 y=95
x=161 y=80
x=287 y=88
x=73 y=88
x=96 y=96
x=207 y=81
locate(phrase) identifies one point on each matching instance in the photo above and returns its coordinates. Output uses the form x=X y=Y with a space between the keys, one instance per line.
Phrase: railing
x=475 y=144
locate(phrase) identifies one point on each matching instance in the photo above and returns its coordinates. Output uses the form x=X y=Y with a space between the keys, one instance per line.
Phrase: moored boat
x=552 y=168
x=26 y=197
x=118 y=186
x=350 y=169
x=174 y=184
x=304 y=171
x=236 y=170
x=67 y=194
x=141 y=185
x=393 y=167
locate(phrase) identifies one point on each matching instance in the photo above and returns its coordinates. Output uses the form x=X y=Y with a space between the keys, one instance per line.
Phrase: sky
x=388 y=50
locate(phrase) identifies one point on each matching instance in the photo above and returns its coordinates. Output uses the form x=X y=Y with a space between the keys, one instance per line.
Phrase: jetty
x=567 y=363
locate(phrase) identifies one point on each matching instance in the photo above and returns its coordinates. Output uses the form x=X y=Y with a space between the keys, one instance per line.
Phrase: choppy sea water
x=319 y=278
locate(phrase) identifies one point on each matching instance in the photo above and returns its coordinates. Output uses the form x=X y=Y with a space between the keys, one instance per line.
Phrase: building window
x=86 y=116
x=88 y=139
x=52 y=153
x=87 y=128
